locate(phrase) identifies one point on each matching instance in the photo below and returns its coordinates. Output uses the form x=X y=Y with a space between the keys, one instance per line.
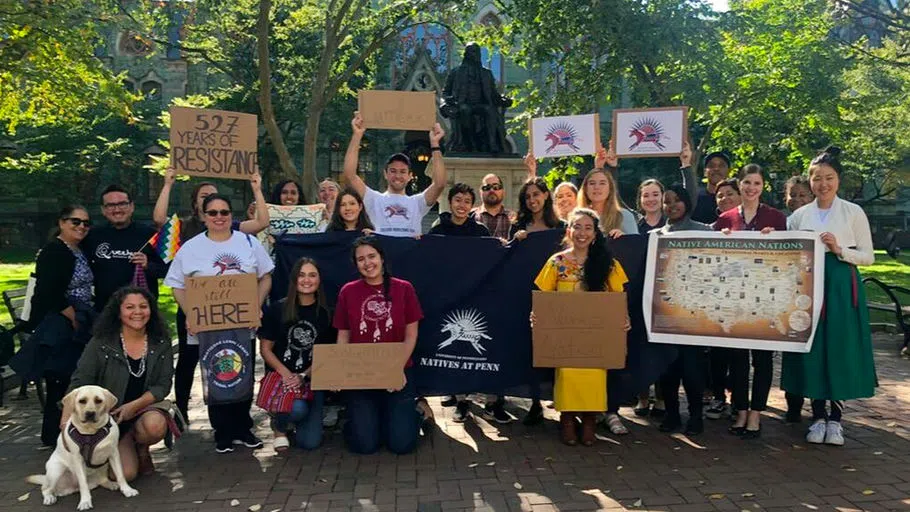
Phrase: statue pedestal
x=472 y=170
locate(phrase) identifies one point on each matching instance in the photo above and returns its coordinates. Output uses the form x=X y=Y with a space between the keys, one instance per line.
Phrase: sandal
x=615 y=425
x=281 y=443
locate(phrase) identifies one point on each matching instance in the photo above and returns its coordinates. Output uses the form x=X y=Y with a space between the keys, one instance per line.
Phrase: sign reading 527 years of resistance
x=742 y=290
x=213 y=143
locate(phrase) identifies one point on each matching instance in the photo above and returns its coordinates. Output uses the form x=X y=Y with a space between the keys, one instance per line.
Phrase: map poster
x=742 y=290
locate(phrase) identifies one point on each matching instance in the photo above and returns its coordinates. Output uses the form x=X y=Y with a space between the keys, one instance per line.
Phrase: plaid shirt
x=498 y=225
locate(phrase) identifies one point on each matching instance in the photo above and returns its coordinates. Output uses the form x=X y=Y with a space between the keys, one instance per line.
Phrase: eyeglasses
x=121 y=204
x=215 y=213
x=76 y=222
x=491 y=186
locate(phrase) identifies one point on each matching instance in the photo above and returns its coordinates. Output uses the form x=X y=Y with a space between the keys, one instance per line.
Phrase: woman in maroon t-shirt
x=752 y=215
x=378 y=308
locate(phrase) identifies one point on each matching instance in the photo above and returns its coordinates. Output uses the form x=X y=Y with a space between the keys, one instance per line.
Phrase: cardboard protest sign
x=213 y=143
x=358 y=366
x=552 y=137
x=647 y=132
x=397 y=110
x=579 y=330
x=222 y=302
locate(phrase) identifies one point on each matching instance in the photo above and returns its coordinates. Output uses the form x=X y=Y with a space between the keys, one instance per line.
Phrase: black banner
x=476 y=299
x=226 y=362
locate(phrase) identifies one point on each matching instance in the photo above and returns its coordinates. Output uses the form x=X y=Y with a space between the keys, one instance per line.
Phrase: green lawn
x=14 y=271
x=889 y=271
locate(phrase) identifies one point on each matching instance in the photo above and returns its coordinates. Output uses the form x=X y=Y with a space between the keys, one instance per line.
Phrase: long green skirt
x=840 y=365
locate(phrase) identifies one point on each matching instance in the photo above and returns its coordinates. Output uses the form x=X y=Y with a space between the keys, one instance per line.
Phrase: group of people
x=115 y=336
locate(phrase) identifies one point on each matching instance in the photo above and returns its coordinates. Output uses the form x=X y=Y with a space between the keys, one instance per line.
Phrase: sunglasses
x=492 y=186
x=76 y=222
x=215 y=213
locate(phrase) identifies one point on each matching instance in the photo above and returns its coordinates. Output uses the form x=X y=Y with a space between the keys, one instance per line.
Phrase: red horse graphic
x=396 y=209
x=562 y=134
x=647 y=130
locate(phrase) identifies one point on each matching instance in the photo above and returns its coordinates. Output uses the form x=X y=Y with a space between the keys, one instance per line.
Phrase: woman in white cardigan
x=840 y=365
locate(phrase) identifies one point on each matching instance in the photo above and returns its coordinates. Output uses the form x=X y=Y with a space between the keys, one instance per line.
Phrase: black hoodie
x=470 y=227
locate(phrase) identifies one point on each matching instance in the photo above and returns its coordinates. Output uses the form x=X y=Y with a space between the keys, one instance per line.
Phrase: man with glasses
x=112 y=249
x=492 y=213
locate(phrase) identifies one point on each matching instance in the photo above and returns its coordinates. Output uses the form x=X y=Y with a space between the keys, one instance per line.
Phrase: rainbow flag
x=166 y=241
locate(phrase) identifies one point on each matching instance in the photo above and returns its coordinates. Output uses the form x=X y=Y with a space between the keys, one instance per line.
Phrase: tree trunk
x=310 y=143
x=288 y=170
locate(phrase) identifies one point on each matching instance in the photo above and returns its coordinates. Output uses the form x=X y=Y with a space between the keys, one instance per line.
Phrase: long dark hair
x=195 y=194
x=108 y=325
x=275 y=198
x=525 y=217
x=64 y=213
x=337 y=223
x=289 y=312
x=599 y=262
x=373 y=242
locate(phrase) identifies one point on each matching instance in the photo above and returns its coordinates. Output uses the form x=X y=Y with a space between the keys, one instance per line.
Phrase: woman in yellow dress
x=586 y=265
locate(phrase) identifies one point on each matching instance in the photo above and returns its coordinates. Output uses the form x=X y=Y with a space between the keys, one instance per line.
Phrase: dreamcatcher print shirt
x=371 y=317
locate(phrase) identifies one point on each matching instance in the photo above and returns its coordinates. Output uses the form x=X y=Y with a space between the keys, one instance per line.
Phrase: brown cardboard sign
x=214 y=143
x=579 y=330
x=358 y=366
x=397 y=110
x=222 y=302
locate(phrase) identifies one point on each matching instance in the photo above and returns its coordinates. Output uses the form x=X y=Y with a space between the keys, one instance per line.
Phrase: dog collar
x=87 y=442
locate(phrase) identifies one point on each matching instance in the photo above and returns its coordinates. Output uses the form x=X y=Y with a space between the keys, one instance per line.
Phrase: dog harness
x=87 y=443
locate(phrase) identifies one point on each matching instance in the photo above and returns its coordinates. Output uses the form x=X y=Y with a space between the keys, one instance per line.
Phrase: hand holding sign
x=357 y=124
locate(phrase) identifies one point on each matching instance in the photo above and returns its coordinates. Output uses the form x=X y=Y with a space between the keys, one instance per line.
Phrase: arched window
x=129 y=85
x=151 y=89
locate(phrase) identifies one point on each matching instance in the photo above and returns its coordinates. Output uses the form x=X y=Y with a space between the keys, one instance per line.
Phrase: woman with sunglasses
x=61 y=313
x=190 y=226
x=222 y=250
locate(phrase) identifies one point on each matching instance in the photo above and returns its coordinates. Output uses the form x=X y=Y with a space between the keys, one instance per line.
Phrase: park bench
x=895 y=306
x=14 y=300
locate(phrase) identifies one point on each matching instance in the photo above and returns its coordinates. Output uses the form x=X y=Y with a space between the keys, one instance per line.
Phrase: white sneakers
x=834 y=433
x=827 y=432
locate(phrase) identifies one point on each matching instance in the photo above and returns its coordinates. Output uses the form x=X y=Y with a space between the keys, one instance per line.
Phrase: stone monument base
x=471 y=170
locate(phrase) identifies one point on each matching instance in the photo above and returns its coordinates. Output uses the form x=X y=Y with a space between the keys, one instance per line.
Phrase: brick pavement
x=479 y=466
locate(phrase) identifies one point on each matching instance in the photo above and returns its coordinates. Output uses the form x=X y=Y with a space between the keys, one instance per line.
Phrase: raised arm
x=531 y=164
x=689 y=180
x=352 y=156
x=253 y=226
x=439 y=167
x=159 y=214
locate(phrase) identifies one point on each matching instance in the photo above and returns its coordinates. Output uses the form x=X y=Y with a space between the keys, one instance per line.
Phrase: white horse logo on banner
x=465 y=325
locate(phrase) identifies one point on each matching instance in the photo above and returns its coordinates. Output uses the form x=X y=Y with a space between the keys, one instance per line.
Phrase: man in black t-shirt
x=111 y=249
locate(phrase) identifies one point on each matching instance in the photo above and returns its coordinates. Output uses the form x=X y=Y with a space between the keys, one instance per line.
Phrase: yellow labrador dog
x=86 y=447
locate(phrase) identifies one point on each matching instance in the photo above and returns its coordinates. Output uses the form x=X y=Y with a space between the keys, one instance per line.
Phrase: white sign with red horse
x=649 y=132
x=563 y=136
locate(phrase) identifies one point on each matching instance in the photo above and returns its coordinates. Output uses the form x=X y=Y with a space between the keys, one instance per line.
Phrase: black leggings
x=187 y=360
x=55 y=387
x=719 y=362
x=820 y=413
x=763 y=363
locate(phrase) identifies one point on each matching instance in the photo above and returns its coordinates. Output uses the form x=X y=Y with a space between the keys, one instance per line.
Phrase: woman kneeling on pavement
x=378 y=308
x=290 y=328
x=130 y=355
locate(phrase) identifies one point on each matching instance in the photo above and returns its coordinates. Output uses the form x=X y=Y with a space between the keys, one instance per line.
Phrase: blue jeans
x=306 y=416
x=377 y=417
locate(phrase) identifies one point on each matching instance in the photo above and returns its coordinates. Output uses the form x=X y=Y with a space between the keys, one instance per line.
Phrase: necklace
x=141 y=371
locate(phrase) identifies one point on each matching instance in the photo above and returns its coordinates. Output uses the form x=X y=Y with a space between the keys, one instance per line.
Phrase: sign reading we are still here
x=213 y=143
x=222 y=302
